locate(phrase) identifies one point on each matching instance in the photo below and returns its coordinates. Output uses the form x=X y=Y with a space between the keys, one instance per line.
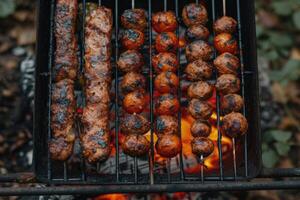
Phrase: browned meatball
x=96 y=145
x=134 y=124
x=234 y=125
x=60 y=148
x=200 y=128
x=227 y=63
x=166 y=125
x=225 y=25
x=134 y=19
x=133 y=81
x=231 y=103
x=202 y=146
x=164 y=22
x=135 y=145
x=196 y=32
x=198 y=49
x=168 y=146
x=165 y=61
x=130 y=60
x=134 y=102
x=132 y=39
x=198 y=70
x=166 y=82
x=194 y=14
x=200 y=109
x=167 y=104
x=228 y=84
x=166 y=42
x=200 y=90
x=225 y=42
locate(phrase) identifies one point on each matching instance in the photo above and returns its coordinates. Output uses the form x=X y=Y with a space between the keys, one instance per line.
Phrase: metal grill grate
x=138 y=173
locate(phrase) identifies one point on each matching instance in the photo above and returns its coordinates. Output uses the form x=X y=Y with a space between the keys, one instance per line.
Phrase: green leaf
x=270 y=158
x=296 y=19
x=281 y=136
x=282 y=7
x=264 y=146
x=290 y=71
x=272 y=55
x=282 y=148
x=281 y=40
x=7 y=7
x=259 y=30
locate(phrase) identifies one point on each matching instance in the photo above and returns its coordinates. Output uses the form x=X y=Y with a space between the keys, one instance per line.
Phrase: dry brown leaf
x=285 y=163
x=295 y=54
x=278 y=93
x=293 y=92
x=288 y=122
x=263 y=195
x=23 y=35
x=267 y=19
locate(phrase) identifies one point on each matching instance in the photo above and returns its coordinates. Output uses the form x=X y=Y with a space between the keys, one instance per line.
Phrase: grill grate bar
x=182 y=175
x=151 y=157
x=117 y=90
x=218 y=104
x=242 y=80
x=82 y=51
x=51 y=49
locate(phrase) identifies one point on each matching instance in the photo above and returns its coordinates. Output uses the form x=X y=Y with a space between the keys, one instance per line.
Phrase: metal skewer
x=99 y=2
x=197 y=2
x=224 y=7
x=132 y=4
x=202 y=168
x=165 y=5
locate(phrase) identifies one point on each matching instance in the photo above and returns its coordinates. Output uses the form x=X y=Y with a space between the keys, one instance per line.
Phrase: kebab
x=95 y=138
x=64 y=70
x=198 y=52
x=166 y=82
x=133 y=123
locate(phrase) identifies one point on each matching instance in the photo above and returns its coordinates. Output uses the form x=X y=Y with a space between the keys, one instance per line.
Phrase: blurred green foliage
x=7 y=7
x=278 y=31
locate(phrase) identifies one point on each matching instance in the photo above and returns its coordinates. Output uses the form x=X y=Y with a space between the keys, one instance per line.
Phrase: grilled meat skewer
x=95 y=138
x=64 y=70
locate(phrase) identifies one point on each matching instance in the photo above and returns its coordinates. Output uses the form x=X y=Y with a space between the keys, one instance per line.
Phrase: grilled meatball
x=63 y=92
x=165 y=61
x=97 y=70
x=225 y=42
x=167 y=104
x=228 y=84
x=96 y=145
x=198 y=49
x=200 y=90
x=166 y=82
x=100 y=19
x=60 y=148
x=97 y=91
x=134 y=124
x=227 y=63
x=94 y=114
x=198 y=70
x=231 y=103
x=130 y=60
x=166 y=42
x=135 y=145
x=234 y=125
x=164 y=22
x=196 y=32
x=134 y=102
x=132 y=39
x=166 y=125
x=194 y=14
x=168 y=146
x=202 y=146
x=200 y=128
x=200 y=109
x=132 y=81
x=225 y=25
x=134 y=19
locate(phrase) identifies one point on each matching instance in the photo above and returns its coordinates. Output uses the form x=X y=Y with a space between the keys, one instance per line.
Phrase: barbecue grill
x=232 y=169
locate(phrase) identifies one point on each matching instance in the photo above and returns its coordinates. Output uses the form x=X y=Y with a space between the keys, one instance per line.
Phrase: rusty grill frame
x=42 y=165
